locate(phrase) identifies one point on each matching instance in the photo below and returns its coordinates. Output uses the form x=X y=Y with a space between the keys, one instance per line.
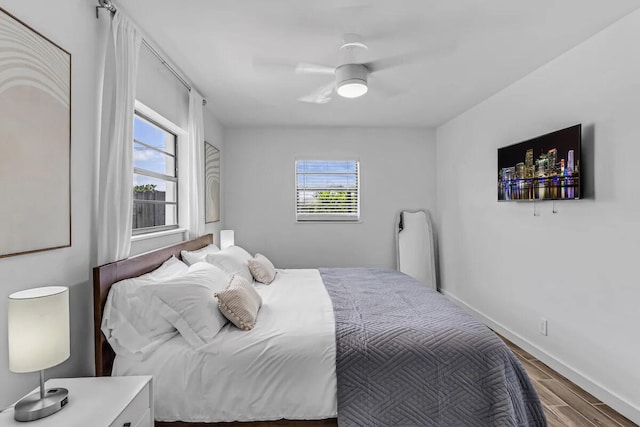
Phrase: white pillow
x=192 y=257
x=233 y=261
x=130 y=327
x=262 y=269
x=189 y=304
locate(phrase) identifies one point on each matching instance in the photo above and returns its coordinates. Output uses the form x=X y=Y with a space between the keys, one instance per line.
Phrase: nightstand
x=97 y=402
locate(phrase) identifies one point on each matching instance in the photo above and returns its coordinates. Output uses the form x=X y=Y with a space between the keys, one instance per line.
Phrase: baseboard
x=622 y=406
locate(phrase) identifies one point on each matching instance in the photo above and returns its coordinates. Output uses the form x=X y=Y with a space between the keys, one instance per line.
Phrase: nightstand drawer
x=145 y=421
x=133 y=413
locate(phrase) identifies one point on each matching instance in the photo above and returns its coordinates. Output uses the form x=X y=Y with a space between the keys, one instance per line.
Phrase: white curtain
x=195 y=193
x=115 y=179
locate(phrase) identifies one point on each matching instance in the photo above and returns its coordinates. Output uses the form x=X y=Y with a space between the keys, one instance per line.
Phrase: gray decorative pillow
x=240 y=303
x=262 y=269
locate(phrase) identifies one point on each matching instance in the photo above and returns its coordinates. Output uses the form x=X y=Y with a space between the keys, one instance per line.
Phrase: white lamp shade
x=38 y=322
x=226 y=238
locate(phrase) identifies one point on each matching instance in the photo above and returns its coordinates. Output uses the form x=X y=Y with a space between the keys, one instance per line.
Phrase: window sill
x=146 y=236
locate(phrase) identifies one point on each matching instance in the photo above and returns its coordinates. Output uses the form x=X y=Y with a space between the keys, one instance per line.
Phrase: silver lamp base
x=34 y=406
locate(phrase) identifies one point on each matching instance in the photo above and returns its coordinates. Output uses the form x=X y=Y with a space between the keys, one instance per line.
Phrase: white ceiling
x=464 y=51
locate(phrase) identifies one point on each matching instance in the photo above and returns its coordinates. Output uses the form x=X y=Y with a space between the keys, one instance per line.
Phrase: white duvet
x=283 y=368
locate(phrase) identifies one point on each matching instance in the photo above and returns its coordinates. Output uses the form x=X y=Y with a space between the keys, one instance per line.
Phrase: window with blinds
x=327 y=190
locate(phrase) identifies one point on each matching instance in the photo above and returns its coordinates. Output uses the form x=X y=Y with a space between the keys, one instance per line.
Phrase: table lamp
x=38 y=331
x=226 y=238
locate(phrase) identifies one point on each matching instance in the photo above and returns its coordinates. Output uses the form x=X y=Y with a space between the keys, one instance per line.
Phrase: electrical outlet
x=542 y=326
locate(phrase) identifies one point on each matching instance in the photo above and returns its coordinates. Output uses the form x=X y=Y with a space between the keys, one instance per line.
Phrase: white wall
x=160 y=90
x=72 y=25
x=578 y=267
x=397 y=170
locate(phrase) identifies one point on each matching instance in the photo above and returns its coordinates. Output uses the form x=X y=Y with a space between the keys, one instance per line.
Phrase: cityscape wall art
x=543 y=168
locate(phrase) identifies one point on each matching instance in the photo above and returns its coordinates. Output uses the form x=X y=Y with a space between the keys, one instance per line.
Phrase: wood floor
x=566 y=404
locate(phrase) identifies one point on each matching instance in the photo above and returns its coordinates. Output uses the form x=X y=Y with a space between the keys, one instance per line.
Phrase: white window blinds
x=327 y=190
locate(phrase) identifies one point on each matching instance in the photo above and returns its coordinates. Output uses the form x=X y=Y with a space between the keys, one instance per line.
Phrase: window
x=327 y=190
x=155 y=179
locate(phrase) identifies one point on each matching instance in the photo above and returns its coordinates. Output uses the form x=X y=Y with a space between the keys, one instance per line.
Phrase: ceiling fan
x=351 y=77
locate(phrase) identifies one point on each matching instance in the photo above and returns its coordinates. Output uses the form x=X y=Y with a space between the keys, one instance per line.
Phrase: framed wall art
x=35 y=140
x=211 y=183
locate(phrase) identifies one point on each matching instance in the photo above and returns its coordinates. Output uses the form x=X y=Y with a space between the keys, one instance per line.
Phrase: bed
x=369 y=347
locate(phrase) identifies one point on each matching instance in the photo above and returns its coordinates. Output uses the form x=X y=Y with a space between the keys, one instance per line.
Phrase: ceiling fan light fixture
x=351 y=80
x=352 y=88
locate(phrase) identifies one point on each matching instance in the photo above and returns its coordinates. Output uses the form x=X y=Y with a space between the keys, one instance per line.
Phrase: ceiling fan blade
x=394 y=61
x=322 y=95
x=308 y=68
x=411 y=57
x=280 y=65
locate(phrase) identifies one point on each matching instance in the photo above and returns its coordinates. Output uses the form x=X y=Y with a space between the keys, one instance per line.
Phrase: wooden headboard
x=106 y=275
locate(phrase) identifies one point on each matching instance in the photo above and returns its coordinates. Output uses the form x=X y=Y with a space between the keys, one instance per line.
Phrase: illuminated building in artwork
x=542 y=165
x=508 y=174
x=528 y=164
x=570 y=164
x=552 y=158
x=561 y=167
x=520 y=171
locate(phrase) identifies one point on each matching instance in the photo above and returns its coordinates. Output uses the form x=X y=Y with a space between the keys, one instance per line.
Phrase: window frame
x=166 y=125
x=328 y=217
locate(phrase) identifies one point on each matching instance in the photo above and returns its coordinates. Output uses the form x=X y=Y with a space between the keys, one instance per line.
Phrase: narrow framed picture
x=35 y=141
x=211 y=183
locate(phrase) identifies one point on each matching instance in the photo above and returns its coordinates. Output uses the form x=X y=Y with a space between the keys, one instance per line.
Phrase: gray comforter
x=407 y=356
